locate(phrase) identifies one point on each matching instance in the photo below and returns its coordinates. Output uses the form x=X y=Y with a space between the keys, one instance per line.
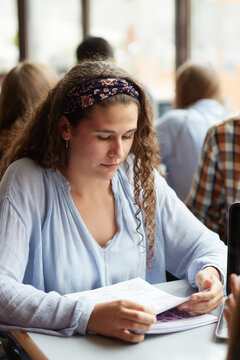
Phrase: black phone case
x=233 y=242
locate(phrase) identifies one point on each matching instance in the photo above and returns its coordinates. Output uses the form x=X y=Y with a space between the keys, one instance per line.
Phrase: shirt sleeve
x=189 y=245
x=207 y=197
x=24 y=306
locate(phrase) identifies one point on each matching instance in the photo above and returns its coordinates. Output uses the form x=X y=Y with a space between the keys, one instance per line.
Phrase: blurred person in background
x=216 y=184
x=181 y=131
x=23 y=87
x=92 y=48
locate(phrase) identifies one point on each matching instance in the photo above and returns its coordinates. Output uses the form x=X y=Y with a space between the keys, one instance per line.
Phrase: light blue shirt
x=181 y=134
x=47 y=251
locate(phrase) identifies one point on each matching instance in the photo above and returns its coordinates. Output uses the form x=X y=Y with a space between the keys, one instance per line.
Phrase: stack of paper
x=141 y=292
x=176 y=320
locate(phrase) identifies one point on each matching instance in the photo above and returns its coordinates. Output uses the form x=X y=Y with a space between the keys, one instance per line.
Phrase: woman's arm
x=189 y=245
x=24 y=305
x=193 y=251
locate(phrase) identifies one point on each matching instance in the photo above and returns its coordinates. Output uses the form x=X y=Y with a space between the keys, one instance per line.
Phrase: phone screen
x=233 y=242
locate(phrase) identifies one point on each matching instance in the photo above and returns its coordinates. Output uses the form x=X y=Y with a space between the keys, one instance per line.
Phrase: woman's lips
x=110 y=166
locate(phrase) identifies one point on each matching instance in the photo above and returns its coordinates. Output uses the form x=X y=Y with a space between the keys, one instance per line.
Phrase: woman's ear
x=64 y=128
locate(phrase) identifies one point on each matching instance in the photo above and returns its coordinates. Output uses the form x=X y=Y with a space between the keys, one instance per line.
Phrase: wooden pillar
x=22 y=29
x=182 y=30
x=85 y=17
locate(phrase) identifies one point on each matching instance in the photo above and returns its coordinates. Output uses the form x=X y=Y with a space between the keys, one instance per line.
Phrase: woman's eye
x=103 y=137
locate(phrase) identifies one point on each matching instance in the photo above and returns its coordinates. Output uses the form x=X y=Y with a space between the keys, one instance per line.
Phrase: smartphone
x=233 y=242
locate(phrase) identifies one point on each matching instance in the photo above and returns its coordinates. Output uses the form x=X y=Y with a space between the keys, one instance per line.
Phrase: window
x=142 y=35
x=215 y=30
x=9 y=53
x=54 y=31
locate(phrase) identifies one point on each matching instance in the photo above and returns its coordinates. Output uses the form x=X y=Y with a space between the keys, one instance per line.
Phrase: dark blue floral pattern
x=94 y=91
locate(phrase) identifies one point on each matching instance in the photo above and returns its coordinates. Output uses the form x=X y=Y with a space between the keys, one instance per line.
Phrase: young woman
x=23 y=88
x=82 y=205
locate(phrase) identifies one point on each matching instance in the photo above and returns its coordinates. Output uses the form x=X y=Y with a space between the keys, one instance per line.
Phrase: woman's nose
x=116 y=150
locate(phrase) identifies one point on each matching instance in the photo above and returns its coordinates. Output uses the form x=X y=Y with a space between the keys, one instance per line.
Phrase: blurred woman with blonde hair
x=26 y=85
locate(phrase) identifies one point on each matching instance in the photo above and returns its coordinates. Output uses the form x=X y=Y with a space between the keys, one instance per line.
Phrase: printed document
x=141 y=292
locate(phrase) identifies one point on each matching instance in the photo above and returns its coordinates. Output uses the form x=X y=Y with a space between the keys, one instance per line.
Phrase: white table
x=200 y=343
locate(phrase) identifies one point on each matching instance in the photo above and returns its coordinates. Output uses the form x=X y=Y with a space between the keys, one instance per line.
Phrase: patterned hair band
x=94 y=91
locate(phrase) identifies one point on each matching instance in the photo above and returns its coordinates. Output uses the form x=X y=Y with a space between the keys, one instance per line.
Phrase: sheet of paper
x=137 y=290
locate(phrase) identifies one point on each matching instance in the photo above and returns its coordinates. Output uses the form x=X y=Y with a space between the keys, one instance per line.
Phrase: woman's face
x=101 y=142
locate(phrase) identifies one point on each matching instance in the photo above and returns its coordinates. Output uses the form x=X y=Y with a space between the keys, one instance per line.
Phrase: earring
x=66 y=144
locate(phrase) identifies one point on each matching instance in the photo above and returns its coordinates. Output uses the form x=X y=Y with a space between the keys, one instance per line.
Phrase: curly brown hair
x=41 y=140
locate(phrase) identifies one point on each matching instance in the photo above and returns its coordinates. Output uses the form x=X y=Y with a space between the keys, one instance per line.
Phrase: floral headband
x=94 y=91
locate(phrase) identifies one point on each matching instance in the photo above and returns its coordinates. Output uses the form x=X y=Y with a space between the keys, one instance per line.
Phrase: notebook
x=169 y=318
x=233 y=262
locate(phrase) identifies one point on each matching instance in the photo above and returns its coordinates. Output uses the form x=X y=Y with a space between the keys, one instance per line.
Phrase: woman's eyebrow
x=113 y=132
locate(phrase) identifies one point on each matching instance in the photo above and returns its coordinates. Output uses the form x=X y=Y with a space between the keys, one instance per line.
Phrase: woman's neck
x=84 y=186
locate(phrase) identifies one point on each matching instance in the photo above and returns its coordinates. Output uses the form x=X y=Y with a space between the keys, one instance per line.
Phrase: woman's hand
x=203 y=302
x=229 y=311
x=120 y=319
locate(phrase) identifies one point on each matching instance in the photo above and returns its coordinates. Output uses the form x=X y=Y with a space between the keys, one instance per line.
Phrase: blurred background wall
x=150 y=38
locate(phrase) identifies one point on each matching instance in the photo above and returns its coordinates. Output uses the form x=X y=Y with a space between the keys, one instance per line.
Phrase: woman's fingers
x=121 y=319
x=235 y=289
x=136 y=317
x=126 y=335
x=201 y=307
x=229 y=311
x=210 y=295
x=203 y=302
x=231 y=301
x=135 y=306
x=134 y=325
x=138 y=314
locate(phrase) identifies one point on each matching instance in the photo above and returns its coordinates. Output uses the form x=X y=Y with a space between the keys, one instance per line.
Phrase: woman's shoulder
x=23 y=175
x=208 y=105
x=23 y=167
